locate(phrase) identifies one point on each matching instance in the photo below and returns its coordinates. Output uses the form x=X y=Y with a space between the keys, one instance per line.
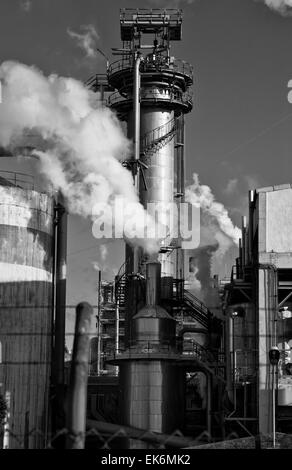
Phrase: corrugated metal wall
x=26 y=282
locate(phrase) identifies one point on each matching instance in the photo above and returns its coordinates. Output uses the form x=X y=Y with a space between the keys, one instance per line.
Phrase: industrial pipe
x=77 y=398
x=117 y=329
x=59 y=315
x=60 y=311
x=99 y=332
x=136 y=99
x=135 y=167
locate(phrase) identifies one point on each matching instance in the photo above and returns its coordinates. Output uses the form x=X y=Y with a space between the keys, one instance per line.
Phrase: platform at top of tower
x=150 y=21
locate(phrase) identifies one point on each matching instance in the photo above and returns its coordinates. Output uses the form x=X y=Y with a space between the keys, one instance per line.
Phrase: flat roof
x=277 y=187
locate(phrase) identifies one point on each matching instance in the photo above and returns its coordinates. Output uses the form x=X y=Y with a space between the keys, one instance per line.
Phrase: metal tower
x=153 y=94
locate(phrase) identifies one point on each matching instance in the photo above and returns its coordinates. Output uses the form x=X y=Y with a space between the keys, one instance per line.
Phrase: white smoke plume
x=284 y=7
x=86 y=40
x=103 y=251
x=25 y=5
x=202 y=196
x=96 y=266
x=84 y=142
x=218 y=234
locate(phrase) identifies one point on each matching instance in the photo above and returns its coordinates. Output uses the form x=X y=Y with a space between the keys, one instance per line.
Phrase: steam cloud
x=218 y=234
x=84 y=143
x=284 y=7
x=202 y=196
x=26 y=5
x=86 y=40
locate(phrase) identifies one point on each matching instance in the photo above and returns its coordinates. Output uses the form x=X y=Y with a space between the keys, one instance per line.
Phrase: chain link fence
x=122 y=438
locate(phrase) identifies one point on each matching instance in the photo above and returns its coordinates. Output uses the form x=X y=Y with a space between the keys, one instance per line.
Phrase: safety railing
x=167 y=15
x=200 y=311
x=160 y=64
x=241 y=273
x=173 y=96
x=151 y=139
x=171 y=348
x=21 y=180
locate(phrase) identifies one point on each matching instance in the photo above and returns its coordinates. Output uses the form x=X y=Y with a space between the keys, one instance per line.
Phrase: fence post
x=77 y=398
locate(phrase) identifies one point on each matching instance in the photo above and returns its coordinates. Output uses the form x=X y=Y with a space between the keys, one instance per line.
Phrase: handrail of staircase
x=191 y=298
x=121 y=271
x=158 y=134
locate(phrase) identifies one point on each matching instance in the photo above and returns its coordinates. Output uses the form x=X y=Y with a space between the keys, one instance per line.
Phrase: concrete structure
x=26 y=313
x=258 y=310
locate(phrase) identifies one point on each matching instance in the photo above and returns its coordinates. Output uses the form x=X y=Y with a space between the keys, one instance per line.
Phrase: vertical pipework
x=180 y=189
x=137 y=86
x=76 y=412
x=243 y=231
x=61 y=266
x=133 y=253
x=117 y=327
x=99 y=323
x=58 y=415
x=250 y=225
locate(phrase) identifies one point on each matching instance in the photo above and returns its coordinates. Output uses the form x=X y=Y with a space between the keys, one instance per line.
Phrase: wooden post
x=77 y=397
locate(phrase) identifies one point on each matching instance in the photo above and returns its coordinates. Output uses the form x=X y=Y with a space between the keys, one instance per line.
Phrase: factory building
x=257 y=305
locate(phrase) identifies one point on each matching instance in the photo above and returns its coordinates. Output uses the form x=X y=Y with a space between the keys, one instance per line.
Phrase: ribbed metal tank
x=151 y=383
x=26 y=287
x=152 y=395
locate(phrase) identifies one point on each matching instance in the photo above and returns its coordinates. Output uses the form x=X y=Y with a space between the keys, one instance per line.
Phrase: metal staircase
x=188 y=302
x=120 y=287
x=196 y=309
x=156 y=138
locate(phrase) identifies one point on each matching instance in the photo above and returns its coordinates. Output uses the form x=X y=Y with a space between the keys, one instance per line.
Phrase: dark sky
x=239 y=133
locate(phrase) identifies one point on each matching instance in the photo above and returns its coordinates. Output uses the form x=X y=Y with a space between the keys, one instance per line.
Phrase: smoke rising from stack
x=218 y=235
x=284 y=7
x=84 y=143
x=86 y=40
x=202 y=196
x=200 y=267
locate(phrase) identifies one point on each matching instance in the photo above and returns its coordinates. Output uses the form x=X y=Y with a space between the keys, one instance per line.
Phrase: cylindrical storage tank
x=26 y=288
x=153 y=326
x=152 y=395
